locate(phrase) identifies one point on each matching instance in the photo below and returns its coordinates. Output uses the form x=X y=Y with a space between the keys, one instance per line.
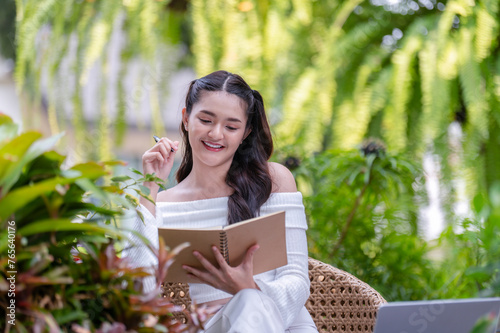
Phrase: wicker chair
x=339 y=302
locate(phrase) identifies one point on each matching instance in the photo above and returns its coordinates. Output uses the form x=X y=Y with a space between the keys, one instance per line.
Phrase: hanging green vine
x=334 y=72
x=52 y=32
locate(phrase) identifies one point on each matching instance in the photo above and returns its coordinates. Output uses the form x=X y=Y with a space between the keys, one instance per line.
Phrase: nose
x=216 y=132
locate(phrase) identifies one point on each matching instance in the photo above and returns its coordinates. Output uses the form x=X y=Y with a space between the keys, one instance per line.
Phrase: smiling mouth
x=212 y=145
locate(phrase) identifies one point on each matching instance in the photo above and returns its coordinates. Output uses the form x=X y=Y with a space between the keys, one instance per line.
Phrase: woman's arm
x=136 y=252
x=158 y=160
x=290 y=287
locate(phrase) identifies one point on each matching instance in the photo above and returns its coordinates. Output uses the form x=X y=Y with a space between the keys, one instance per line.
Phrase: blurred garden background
x=386 y=111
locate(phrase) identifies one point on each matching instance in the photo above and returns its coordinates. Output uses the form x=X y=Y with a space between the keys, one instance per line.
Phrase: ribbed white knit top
x=288 y=286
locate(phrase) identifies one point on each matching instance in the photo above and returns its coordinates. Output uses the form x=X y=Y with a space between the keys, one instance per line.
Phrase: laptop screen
x=438 y=316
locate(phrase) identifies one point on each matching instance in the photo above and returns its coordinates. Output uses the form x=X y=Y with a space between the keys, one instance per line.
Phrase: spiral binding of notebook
x=223 y=246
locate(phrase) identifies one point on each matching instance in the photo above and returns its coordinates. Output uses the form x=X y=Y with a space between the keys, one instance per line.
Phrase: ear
x=247 y=133
x=184 y=117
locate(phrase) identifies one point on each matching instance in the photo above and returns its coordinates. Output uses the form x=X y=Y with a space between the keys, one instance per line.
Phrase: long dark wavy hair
x=248 y=174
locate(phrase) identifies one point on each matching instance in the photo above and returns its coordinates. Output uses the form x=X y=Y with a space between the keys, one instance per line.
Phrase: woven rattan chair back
x=339 y=302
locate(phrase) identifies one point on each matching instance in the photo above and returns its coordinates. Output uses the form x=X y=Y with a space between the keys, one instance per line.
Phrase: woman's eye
x=204 y=120
x=231 y=128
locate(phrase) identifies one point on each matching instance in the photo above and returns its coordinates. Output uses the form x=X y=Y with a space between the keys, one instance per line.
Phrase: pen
x=158 y=139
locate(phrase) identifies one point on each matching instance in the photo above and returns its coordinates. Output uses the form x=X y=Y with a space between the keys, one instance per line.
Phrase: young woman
x=224 y=178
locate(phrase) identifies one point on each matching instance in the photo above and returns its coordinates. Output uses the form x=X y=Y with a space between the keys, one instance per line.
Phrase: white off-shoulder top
x=288 y=286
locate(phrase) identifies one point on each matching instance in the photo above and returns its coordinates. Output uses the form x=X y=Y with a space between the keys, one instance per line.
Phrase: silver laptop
x=439 y=316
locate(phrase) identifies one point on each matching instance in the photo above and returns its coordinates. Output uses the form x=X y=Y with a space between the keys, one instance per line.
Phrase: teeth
x=212 y=146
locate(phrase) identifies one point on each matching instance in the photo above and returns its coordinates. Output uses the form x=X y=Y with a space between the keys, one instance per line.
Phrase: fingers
x=169 y=145
x=210 y=276
x=220 y=259
x=174 y=147
x=164 y=148
x=153 y=156
x=226 y=278
x=205 y=263
x=194 y=273
x=248 y=261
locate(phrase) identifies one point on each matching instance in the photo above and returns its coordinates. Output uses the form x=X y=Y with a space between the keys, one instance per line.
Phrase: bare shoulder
x=178 y=193
x=282 y=178
x=169 y=195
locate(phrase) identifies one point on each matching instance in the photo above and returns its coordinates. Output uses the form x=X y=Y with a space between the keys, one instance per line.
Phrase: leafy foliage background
x=333 y=74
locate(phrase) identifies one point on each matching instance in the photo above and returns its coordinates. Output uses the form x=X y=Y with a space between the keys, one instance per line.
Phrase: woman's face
x=216 y=127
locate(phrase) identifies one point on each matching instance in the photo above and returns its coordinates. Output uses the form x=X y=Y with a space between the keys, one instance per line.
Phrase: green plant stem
x=350 y=218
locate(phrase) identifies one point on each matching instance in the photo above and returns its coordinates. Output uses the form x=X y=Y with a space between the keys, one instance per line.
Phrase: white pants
x=250 y=310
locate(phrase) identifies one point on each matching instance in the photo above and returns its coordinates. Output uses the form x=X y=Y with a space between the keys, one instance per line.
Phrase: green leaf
x=479 y=203
x=11 y=153
x=50 y=225
x=119 y=200
x=71 y=173
x=8 y=129
x=46 y=165
x=100 y=210
x=23 y=195
x=354 y=174
x=5 y=119
x=136 y=171
x=120 y=178
x=370 y=159
x=485 y=324
x=89 y=186
x=63 y=316
x=145 y=190
x=495 y=194
x=36 y=149
x=20 y=197
x=114 y=163
x=90 y=170
x=145 y=196
x=478 y=274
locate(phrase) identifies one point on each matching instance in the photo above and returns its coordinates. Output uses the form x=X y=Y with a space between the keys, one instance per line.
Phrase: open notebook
x=233 y=241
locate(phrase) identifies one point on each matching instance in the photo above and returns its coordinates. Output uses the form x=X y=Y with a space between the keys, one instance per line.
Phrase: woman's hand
x=226 y=278
x=160 y=159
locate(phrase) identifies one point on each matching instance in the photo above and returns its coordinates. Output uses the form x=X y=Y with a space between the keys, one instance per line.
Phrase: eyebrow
x=210 y=113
